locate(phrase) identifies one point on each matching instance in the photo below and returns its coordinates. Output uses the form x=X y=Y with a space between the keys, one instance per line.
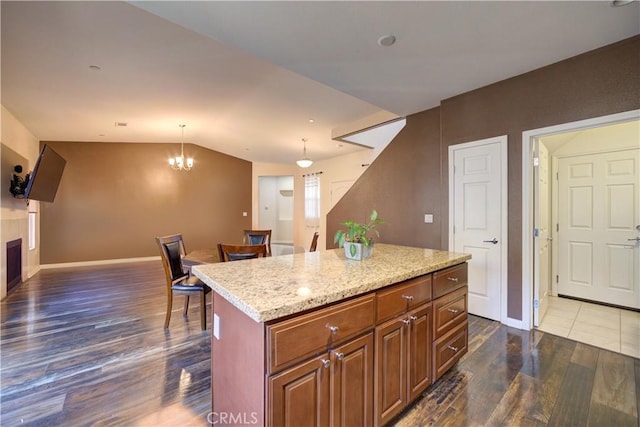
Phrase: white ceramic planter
x=357 y=251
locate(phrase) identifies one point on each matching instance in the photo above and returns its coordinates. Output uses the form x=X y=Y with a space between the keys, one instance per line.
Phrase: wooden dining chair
x=179 y=281
x=314 y=242
x=258 y=237
x=239 y=252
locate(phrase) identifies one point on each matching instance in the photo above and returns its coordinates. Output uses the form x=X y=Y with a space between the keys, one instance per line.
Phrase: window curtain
x=312 y=200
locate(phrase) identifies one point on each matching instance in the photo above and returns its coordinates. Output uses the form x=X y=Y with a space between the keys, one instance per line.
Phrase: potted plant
x=357 y=244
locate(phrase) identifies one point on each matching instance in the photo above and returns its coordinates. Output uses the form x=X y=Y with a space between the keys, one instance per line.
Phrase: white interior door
x=542 y=241
x=479 y=198
x=598 y=212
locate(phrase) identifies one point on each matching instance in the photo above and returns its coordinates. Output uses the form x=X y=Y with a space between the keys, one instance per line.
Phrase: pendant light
x=304 y=162
x=179 y=163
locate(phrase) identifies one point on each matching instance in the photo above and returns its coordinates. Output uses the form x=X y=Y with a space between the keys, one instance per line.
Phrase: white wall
x=614 y=137
x=18 y=141
x=275 y=205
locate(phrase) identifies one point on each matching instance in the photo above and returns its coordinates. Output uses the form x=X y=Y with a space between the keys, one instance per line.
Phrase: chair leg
x=167 y=318
x=186 y=305
x=203 y=310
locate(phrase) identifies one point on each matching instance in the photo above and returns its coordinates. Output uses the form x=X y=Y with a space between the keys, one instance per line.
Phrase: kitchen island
x=315 y=339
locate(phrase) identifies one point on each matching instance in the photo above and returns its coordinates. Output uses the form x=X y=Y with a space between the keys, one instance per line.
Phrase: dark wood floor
x=86 y=347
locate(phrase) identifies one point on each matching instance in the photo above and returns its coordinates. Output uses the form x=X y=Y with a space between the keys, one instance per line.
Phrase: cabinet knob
x=405 y=321
x=325 y=363
x=334 y=329
x=450 y=347
x=339 y=355
x=453 y=279
x=453 y=310
x=414 y=318
x=408 y=297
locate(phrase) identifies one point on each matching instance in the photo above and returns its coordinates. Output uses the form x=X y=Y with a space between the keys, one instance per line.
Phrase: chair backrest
x=240 y=252
x=172 y=250
x=314 y=242
x=258 y=237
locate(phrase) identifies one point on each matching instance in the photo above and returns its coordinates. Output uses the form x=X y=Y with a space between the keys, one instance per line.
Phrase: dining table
x=201 y=256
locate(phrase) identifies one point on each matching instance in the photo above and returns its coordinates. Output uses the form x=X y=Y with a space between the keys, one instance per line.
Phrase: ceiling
x=247 y=77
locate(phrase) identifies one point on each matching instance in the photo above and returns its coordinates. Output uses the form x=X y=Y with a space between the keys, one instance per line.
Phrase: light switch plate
x=428 y=218
x=244 y=214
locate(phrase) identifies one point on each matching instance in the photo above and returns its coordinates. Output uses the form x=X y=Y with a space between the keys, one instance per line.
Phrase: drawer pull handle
x=453 y=310
x=453 y=279
x=414 y=318
x=408 y=297
x=339 y=355
x=326 y=363
x=334 y=329
x=405 y=321
x=450 y=347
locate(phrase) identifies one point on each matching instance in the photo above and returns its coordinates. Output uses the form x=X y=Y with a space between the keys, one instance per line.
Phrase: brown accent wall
x=403 y=184
x=601 y=82
x=114 y=198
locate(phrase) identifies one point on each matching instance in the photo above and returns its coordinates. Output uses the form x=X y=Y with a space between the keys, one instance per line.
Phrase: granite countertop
x=273 y=287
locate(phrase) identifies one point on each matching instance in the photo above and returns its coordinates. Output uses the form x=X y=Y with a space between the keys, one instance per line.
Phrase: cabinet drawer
x=296 y=338
x=449 y=349
x=449 y=311
x=402 y=297
x=449 y=279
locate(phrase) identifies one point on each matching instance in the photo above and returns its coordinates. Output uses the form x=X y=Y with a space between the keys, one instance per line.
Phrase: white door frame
x=528 y=138
x=503 y=213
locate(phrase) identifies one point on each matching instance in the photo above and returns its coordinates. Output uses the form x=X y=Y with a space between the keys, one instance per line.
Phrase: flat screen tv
x=45 y=178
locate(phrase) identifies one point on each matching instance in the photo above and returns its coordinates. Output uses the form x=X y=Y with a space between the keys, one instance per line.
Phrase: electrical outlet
x=244 y=214
x=428 y=218
x=216 y=326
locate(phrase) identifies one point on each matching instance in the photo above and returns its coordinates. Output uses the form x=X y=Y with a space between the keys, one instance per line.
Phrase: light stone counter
x=273 y=287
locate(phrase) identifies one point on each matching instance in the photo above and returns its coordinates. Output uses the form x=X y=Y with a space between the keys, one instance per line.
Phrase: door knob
x=494 y=241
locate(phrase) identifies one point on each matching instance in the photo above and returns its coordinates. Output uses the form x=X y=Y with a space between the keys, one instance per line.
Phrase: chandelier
x=179 y=163
x=304 y=162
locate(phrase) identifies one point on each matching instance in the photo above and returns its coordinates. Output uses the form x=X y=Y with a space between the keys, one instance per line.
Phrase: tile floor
x=605 y=327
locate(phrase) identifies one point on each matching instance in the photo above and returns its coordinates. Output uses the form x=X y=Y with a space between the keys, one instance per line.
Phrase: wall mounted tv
x=45 y=178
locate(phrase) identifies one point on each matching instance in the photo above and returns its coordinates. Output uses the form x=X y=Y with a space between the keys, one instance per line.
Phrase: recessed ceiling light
x=618 y=3
x=94 y=67
x=311 y=121
x=387 y=40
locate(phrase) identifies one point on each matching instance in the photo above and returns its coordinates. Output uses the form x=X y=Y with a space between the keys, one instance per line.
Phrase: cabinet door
x=352 y=383
x=390 y=383
x=419 y=350
x=299 y=396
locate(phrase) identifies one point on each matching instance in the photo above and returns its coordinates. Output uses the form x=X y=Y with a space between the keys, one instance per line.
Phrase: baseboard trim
x=515 y=323
x=98 y=262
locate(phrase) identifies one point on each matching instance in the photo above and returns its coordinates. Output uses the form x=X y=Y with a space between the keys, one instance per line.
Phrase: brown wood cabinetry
x=334 y=388
x=403 y=361
x=294 y=339
x=356 y=362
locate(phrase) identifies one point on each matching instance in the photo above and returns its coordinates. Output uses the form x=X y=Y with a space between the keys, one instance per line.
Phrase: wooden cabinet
x=449 y=349
x=450 y=330
x=334 y=388
x=403 y=361
x=295 y=339
x=358 y=362
x=352 y=383
x=419 y=355
x=300 y=396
